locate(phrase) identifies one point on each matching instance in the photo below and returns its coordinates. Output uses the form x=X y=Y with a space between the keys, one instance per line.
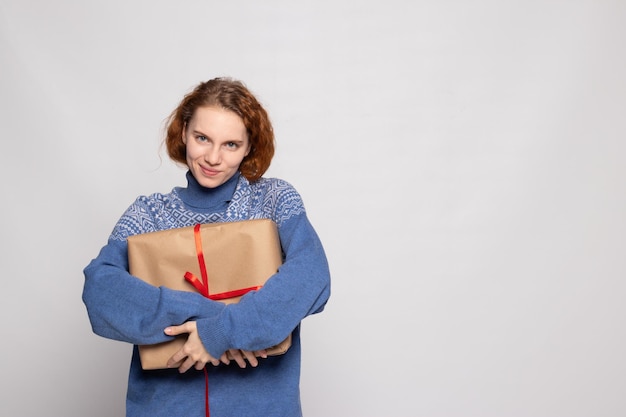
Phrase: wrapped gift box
x=236 y=257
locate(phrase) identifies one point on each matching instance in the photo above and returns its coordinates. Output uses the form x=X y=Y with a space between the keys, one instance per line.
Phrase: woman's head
x=231 y=95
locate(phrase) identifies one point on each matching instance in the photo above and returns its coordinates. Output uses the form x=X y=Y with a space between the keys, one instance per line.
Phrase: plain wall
x=462 y=161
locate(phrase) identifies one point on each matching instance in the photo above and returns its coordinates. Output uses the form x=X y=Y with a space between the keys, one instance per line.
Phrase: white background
x=462 y=161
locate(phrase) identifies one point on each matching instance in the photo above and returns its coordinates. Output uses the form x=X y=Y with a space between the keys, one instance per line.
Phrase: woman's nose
x=213 y=156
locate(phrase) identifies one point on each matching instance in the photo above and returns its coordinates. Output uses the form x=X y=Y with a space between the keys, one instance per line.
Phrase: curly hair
x=232 y=95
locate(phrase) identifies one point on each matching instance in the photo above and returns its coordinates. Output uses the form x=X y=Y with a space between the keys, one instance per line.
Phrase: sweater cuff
x=213 y=336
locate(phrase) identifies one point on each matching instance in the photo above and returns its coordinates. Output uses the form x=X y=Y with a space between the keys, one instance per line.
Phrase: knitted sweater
x=122 y=307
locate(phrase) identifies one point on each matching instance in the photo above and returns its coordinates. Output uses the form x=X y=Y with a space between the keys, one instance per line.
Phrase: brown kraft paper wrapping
x=237 y=255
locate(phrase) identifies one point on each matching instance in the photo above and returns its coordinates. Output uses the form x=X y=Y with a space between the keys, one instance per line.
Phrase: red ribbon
x=203 y=285
x=203 y=288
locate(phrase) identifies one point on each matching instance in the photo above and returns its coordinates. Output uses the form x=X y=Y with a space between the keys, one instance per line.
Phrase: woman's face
x=216 y=141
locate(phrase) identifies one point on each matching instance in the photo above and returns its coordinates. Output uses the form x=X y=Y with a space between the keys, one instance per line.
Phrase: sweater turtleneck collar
x=199 y=197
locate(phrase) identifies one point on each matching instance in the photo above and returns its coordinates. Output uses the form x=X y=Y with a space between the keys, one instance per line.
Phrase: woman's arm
x=123 y=307
x=266 y=317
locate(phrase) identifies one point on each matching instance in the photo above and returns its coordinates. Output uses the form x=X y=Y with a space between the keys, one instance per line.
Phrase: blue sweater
x=122 y=307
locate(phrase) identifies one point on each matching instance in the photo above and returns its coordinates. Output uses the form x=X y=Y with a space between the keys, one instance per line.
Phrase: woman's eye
x=201 y=138
x=231 y=145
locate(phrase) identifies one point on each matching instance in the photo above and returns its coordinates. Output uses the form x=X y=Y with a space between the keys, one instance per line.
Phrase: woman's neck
x=197 y=196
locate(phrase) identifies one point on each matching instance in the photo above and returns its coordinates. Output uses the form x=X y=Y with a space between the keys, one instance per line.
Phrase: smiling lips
x=209 y=172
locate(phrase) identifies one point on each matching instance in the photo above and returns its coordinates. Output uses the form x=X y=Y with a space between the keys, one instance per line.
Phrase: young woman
x=225 y=138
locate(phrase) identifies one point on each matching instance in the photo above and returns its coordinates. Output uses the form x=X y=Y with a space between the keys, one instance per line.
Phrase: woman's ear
x=184 y=134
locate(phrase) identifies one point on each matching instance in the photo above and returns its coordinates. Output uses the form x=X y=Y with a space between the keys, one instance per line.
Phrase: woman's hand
x=193 y=353
x=240 y=357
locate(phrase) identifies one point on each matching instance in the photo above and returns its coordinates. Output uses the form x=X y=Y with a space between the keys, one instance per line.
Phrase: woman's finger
x=251 y=358
x=236 y=355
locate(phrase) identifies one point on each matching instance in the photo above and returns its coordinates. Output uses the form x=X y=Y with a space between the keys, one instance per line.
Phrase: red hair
x=230 y=95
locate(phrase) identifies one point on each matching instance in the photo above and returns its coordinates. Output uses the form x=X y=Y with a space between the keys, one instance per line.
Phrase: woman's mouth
x=209 y=172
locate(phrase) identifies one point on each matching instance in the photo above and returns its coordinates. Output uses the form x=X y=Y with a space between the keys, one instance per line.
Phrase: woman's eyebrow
x=198 y=132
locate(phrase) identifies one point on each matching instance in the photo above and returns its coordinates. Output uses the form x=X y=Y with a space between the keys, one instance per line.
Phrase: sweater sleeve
x=123 y=307
x=301 y=287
